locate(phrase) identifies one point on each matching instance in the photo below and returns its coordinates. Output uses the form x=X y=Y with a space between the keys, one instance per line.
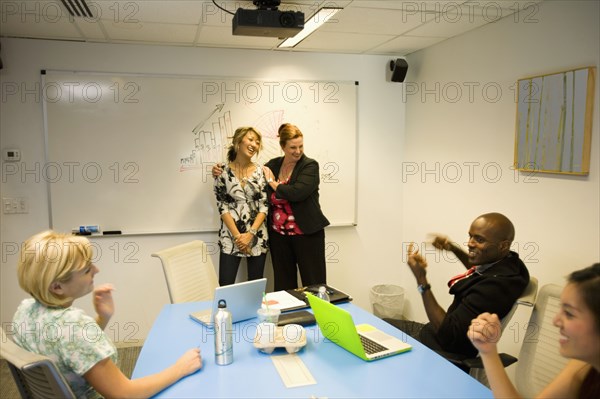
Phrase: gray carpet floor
x=8 y=390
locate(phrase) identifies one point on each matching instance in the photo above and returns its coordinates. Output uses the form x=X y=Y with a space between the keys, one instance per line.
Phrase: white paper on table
x=293 y=371
x=283 y=300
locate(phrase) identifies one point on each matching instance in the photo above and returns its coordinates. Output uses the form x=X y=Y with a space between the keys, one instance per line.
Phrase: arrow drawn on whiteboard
x=218 y=108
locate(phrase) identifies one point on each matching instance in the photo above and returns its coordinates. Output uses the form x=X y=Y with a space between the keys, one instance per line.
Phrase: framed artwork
x=554 y=122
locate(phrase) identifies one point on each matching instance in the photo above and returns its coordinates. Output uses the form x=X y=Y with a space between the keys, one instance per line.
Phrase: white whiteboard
x=134 y=152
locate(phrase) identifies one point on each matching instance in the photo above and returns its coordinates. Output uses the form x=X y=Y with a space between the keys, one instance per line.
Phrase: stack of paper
x=283 y=300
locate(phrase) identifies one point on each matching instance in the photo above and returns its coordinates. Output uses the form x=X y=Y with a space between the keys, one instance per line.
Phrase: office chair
x=527 y=298
x=189 y=272
x=539 y=359
x=474 y=366
x=36 y=376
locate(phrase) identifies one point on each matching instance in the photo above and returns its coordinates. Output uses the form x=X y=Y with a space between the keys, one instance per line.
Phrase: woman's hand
x=268 y=174
x=189 y=363
x=104 y=304
x=485 y=332
x=217 y=169
x=270 y=177
x=244 y=242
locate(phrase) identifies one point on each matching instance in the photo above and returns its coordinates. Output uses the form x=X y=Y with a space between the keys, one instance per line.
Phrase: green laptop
x=364 y=340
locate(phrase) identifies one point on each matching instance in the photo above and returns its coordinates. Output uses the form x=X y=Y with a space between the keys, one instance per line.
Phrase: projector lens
x=287 y=19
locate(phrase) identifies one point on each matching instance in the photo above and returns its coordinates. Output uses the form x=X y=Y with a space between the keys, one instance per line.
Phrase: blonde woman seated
x=56 y=269
x=579 y=323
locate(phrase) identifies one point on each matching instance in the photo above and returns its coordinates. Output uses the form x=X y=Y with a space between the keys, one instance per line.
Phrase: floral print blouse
x=243 y=203
x=71 y=338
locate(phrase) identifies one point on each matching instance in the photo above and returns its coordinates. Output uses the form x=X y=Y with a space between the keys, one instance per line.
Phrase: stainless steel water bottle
x=223 y=335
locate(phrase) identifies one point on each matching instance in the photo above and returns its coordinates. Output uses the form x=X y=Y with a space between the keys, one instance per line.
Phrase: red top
x=282 y=217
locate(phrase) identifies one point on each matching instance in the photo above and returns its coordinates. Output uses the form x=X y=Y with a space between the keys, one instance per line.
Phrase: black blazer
x=302 y=192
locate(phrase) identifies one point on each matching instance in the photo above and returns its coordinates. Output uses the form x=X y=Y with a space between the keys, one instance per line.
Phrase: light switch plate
x=11 y=155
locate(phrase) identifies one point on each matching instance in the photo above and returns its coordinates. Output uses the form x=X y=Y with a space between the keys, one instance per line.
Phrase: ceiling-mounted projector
x=267 y=21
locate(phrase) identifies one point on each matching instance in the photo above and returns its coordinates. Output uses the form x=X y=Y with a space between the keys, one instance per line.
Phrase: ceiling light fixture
x=310 y=25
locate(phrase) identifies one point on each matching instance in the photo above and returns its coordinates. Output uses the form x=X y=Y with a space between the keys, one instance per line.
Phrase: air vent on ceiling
x=77 y=8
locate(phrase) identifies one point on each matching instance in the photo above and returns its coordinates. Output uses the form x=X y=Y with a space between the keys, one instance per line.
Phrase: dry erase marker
x=89 y=229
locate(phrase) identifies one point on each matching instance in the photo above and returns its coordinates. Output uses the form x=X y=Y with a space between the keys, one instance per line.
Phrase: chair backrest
x=539 y=359
x=36 y=376
x=189 y=272
x=527 y=298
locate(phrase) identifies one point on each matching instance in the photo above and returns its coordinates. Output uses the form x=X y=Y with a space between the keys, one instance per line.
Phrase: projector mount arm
x=267 y=4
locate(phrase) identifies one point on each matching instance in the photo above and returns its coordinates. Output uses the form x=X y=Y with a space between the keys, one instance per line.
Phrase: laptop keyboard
x=371 y=346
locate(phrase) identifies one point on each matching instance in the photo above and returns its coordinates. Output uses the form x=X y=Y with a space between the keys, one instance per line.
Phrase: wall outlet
x=23 y=205
x=7 y=205
x=15 y=205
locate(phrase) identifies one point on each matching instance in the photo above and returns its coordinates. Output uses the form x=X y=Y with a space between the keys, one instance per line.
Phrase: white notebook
x=283 y=301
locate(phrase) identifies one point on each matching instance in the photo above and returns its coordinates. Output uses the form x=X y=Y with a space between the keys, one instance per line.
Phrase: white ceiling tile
x=34 y=26
x=91 y=29
x=455 y=21
x=494 y=10
x=377 y=21
x=209 y=35
x=362 y=27
x=412 y=6
x=163 y=11
x=404 y=45
x=514 y=5
x=44 y=9
x=152 y=32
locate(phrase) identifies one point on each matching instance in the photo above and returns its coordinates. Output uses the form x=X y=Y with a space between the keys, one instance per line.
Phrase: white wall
x=470 y=140
x=557 y=218
x=358 y=257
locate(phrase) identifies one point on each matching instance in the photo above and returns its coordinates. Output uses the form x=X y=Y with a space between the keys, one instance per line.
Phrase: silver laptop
x=243 y=300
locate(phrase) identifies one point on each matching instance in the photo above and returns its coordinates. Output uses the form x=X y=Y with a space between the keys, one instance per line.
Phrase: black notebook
x=335 y=295
x=302 y=317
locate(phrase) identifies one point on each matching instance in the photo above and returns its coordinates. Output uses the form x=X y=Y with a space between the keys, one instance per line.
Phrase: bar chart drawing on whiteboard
x=212 y=137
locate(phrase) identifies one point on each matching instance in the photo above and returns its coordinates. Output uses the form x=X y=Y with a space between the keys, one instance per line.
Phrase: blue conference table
x=420 y=373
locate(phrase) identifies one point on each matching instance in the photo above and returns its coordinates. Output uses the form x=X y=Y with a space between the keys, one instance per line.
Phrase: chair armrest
x=476 y=363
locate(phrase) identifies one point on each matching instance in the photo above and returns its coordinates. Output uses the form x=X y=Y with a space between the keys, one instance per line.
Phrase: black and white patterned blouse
x=243 y=203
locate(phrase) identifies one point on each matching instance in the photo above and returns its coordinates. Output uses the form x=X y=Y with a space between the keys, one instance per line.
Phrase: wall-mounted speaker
x=399 y=67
